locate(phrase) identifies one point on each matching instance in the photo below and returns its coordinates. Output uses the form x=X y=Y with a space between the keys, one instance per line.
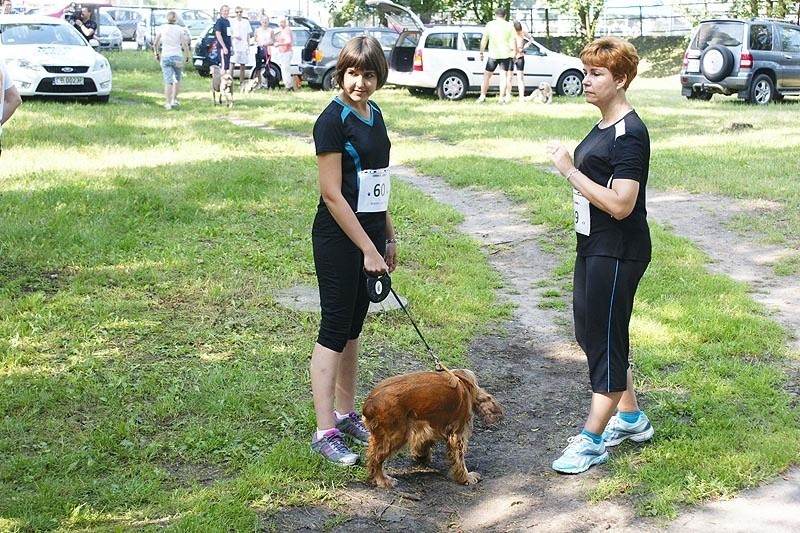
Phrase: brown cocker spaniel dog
x=420 y=409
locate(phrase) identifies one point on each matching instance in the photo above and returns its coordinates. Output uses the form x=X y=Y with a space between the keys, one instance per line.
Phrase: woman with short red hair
x=609 y=178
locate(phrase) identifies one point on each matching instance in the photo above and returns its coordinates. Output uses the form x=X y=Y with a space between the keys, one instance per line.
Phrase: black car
x=323 y=48
x=206 y=51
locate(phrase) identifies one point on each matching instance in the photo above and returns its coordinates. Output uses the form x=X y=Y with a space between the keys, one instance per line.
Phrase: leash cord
x=439 y=366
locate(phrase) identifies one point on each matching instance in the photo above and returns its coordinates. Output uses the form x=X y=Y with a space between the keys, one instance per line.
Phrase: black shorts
x=602 y=304
x=342 y=285
x=519 y=64
x=492 y=64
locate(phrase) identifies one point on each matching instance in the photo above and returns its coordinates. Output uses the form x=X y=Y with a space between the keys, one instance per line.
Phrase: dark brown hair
x=363 y=53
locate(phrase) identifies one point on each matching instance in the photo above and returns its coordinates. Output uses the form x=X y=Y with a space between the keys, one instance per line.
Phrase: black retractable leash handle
x=439 y=366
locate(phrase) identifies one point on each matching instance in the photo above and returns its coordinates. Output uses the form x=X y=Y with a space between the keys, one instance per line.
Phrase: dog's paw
x=385 y=482
x=472 y=478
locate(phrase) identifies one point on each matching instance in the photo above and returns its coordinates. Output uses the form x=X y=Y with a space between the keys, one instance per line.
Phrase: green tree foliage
x=357 y=10
x=755 y=8
x=587 y=12
x=481 y=10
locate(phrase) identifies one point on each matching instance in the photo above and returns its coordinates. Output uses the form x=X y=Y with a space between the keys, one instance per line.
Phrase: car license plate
x=68 y=80
x=693 y=65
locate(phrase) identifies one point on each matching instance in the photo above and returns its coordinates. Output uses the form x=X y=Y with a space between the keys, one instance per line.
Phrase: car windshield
x=106 y=20
x=59 y=34
x=722 y=33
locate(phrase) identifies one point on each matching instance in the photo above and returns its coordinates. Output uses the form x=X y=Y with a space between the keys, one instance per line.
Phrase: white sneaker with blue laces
x=580 y=454
x=617 y=430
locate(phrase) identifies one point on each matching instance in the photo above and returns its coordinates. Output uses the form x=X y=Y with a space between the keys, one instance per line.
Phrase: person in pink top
x=283 y=43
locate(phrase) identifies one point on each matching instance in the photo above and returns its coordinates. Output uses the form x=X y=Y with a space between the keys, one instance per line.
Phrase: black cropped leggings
x=602 y=304
x=342 y=287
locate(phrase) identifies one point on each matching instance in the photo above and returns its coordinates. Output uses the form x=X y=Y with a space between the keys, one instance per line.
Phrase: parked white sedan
x=46 y=56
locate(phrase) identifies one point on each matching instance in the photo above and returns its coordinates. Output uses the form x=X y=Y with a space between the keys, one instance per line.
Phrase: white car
x=445 y=59
x=108 y=33
x=46 y=56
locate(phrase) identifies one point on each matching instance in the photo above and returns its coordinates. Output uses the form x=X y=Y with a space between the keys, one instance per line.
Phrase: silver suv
x=756 y=59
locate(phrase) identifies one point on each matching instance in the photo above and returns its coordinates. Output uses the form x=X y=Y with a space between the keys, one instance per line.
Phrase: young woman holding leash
x=352 y=236
x=609 y=178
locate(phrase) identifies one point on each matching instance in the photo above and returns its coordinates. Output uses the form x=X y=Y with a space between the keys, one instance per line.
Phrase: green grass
x=149 y=379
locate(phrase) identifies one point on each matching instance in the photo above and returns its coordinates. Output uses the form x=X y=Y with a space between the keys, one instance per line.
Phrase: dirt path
x=535 y=369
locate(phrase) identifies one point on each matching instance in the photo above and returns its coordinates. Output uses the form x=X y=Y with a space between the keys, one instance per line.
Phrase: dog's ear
x=487 y=408
x=483 y=404
x=467 y=377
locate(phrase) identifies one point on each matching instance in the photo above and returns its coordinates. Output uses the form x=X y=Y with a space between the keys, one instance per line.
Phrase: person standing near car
x=352 y=236
x=499 y=33
x=84 y=23
x=9 y=98
x=7 y=7
x=609 y=178
x=222 y=32
x=265 y=37
x=284 y=42
x=523 y=39
x=240 y=37
x=172 y=41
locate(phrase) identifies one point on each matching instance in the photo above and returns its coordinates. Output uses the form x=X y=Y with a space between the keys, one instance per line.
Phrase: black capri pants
x=342 y=285
x=602 y=304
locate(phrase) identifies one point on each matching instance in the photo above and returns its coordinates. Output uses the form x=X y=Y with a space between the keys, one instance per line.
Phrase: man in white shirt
x=9 y=97
x=240 y=38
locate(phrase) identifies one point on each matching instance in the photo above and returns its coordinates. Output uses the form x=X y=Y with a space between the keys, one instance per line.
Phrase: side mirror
x=94 y=42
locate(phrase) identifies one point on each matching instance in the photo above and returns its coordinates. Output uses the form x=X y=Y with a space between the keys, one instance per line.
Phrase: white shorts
x=240 y=58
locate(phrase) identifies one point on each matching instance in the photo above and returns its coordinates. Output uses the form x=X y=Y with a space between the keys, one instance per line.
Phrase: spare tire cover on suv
x=716 y=62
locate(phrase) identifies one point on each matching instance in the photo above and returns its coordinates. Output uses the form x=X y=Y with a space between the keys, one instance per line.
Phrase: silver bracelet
x=571 y=172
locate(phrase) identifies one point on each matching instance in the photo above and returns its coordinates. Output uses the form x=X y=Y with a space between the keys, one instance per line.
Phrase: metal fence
x=626 y=21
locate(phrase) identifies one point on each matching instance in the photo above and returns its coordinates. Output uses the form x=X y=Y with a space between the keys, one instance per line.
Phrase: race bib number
x=582 y=218
x=373 y=190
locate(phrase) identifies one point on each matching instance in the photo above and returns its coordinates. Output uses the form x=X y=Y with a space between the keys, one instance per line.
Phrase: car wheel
x=705 y=96
x=329 y=82
x=716 y=63
x=452 y=86
x=570 y=84
x=762 y=90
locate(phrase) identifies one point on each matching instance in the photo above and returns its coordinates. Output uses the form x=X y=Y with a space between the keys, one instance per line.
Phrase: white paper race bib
x=582 y=218
x=373 y=190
